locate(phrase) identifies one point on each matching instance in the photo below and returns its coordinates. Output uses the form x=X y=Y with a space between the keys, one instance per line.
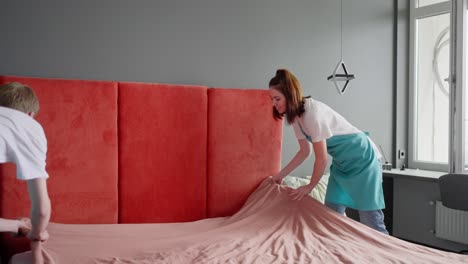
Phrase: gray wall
x=221 y=43
x=401 y=70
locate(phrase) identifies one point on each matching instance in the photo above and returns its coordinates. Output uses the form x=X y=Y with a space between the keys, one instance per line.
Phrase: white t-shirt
x=22 y=141
x=321 y=122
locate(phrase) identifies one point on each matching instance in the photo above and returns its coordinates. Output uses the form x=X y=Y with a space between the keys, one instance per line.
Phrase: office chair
x=454 y=193
x=454 y=190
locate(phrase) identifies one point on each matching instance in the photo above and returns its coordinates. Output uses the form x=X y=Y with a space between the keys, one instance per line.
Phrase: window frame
x=458 y=86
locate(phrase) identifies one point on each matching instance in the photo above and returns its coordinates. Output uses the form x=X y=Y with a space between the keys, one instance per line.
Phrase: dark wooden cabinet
x=413 y=207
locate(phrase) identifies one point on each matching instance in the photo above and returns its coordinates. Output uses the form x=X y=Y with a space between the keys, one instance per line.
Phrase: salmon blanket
x=270 y=228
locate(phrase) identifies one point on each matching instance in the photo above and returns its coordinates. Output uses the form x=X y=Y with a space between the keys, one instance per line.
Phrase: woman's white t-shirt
x=22 y=141
x=321 y=122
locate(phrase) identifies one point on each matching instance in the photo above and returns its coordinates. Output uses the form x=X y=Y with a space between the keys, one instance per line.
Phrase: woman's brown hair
x=286 y=83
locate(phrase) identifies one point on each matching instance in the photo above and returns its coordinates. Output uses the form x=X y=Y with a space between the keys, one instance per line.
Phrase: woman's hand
x=277 y=179
x=299 y=193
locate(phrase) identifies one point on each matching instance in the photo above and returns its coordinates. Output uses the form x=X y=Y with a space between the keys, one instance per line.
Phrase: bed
x=269 y=228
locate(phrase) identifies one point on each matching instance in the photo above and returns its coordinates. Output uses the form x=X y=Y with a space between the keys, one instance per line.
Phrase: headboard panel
x=244 y=146
x=162 y=146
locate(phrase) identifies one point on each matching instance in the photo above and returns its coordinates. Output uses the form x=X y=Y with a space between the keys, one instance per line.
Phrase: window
x=430 y=93
x=432 y=89
x=438 y=85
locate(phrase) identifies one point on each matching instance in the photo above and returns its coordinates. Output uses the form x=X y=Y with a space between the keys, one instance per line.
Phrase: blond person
x=23 y=142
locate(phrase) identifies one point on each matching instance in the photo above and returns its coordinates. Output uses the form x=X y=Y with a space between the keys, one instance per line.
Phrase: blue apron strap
x=302 y=130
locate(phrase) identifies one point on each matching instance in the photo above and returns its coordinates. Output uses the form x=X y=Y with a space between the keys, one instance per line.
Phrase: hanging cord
x=341 y=31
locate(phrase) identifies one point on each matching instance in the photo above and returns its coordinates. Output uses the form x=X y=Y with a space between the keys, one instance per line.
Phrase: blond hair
x=18 y=96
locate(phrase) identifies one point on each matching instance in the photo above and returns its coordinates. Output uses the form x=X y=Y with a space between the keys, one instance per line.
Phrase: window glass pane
x=432 y=88
x=420 y=3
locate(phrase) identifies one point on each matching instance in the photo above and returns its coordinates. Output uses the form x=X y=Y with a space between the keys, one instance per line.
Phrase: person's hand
x=24 y=226
x=36 y=250
x=42 y=237
x=299 y=193
x=277 y=179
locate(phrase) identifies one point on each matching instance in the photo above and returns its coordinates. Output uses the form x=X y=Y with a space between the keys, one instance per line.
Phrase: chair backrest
x=453 y=191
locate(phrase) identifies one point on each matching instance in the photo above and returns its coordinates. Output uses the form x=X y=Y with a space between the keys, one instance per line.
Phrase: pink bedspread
x=270 y=228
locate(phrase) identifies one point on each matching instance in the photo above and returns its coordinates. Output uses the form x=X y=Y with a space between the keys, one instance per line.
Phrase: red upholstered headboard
x=123 y=152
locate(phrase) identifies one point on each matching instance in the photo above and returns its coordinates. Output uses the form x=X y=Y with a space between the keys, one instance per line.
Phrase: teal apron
x=355 y=173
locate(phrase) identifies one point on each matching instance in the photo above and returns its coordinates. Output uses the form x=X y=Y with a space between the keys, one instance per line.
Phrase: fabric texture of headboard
x=162 y=153
x=244 y=145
